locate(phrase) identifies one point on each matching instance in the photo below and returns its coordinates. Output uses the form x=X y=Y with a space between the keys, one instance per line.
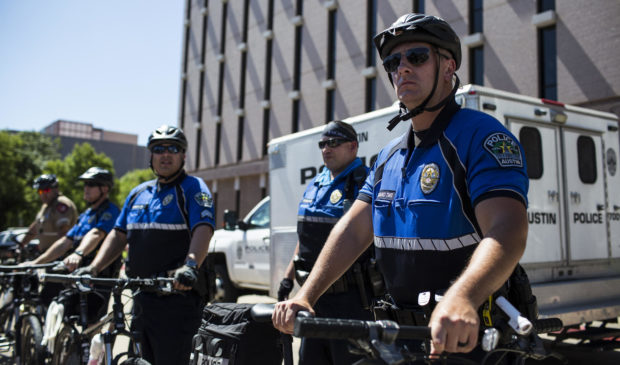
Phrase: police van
x=573 y=248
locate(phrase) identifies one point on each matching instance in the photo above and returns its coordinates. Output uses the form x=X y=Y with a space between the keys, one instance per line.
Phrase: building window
x=371 y=55
x=203 y=54
x=330 y=94
x=532 y=148
x=185 y=55
x=220 y=85
x=297 y=67
x=476 y=54
x=476 y=65
x=547 y=55
x=475 y=16
x=267 y=83
x=586 y=159
x=242 y=78
x=418 y=6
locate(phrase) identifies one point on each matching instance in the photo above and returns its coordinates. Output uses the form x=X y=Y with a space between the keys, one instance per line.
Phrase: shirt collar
x=437 y=128
x=324 y=177
x=176 y=181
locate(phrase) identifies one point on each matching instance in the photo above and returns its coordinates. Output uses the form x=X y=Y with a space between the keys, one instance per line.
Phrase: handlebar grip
x=330 y=328
x=414 y=333
x=548 y=325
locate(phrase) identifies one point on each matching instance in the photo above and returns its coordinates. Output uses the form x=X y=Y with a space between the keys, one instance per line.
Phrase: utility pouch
x=375 y=278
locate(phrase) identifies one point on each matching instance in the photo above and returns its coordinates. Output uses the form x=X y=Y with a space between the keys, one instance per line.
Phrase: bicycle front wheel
x=66 y=347
x=31 y=350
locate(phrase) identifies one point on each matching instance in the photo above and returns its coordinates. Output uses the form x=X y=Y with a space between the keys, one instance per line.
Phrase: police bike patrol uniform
x=103 y=218
x=159 y=220
x=423 y=197
x=323 y=203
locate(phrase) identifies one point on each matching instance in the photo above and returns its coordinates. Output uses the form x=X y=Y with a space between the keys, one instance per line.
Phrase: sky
x=114 y=63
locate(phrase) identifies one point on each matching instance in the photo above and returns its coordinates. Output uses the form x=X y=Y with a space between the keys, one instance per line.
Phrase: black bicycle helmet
x=45 y=181
x=419 y=28
x=98 y=175
x=167 y=134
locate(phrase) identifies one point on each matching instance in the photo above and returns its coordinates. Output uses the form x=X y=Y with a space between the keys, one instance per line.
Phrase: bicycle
x=72 y=343
x=21 y=313
x=377 y=340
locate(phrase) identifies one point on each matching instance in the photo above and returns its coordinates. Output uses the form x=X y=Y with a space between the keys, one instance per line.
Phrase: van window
x=260 y=218
x=586 y=156
x=532 y=148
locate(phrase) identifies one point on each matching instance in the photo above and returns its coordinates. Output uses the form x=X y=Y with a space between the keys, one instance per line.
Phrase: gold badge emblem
x=429 y=178
x=335 y=197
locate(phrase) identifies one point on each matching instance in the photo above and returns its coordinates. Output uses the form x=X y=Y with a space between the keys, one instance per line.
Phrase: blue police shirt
x=422 y=209
x=159 y=220
x=103 y=218
x=321 y=207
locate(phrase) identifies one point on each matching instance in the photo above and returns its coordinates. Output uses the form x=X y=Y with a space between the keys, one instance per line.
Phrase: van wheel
x=225 y=291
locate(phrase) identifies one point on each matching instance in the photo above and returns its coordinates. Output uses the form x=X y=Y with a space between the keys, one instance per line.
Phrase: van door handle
x=600 y=207
x=616 y=207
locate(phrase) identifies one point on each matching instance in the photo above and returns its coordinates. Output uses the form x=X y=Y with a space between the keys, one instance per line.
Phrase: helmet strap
x=405 y=114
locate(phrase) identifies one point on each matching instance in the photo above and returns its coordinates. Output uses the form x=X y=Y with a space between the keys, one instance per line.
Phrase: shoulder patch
x=62 y=207
x=504 y=149
x=203 y=199
x=106 y=216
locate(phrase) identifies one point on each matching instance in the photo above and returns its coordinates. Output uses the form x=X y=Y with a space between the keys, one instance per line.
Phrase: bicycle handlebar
x=334 y=328
x=29 y=267
x=131 y=283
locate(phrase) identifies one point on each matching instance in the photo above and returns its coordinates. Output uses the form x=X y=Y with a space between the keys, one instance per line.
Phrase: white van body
x=573 y=247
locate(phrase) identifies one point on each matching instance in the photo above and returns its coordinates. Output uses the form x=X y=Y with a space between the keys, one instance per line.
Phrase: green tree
x=130 y=180
x=74 y=164
x=22 y=159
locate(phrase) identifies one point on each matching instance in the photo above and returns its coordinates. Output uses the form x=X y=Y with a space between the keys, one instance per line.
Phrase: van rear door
x=541 y=147
x=585 y=195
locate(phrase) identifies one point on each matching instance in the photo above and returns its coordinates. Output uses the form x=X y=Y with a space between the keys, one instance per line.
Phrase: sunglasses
x=43 y=191
x=91 y=184
x=161 y=149
x=332 y=142
x=416 y=56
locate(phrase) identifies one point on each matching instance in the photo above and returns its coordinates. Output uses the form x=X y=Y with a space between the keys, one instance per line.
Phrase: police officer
x=445 y=203
x=57 y=214
x=168 y=223
x=325 y=200
x=83 y=239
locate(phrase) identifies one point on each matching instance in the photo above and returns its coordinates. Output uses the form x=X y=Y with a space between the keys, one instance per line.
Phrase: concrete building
x=254 y=70
x=122 y=148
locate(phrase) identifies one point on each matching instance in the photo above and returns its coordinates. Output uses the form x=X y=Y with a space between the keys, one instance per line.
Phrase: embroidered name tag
x=386 y=195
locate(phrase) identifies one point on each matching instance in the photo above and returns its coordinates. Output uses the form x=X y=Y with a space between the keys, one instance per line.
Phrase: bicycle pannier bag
x=229 y=336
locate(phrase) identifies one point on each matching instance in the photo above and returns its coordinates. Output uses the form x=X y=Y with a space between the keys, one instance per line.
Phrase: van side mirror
x=242 y=225
x=230 y=220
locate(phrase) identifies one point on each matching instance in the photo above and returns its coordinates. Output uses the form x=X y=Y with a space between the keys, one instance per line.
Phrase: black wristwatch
x=191 y=263
x=79 y=253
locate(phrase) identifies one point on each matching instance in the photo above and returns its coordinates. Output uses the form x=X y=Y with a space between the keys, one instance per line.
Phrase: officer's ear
x=448 y=69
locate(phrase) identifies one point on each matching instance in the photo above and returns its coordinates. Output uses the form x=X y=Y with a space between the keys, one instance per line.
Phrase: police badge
x=335 y=197
x=167 y=200
x=429 y=178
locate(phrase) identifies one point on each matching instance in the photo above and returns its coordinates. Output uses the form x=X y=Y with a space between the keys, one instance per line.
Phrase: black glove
x=86 y=270
x=286 y=286
x=186 y=275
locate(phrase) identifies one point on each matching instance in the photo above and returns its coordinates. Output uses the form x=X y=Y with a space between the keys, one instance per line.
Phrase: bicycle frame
x=115 y=320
